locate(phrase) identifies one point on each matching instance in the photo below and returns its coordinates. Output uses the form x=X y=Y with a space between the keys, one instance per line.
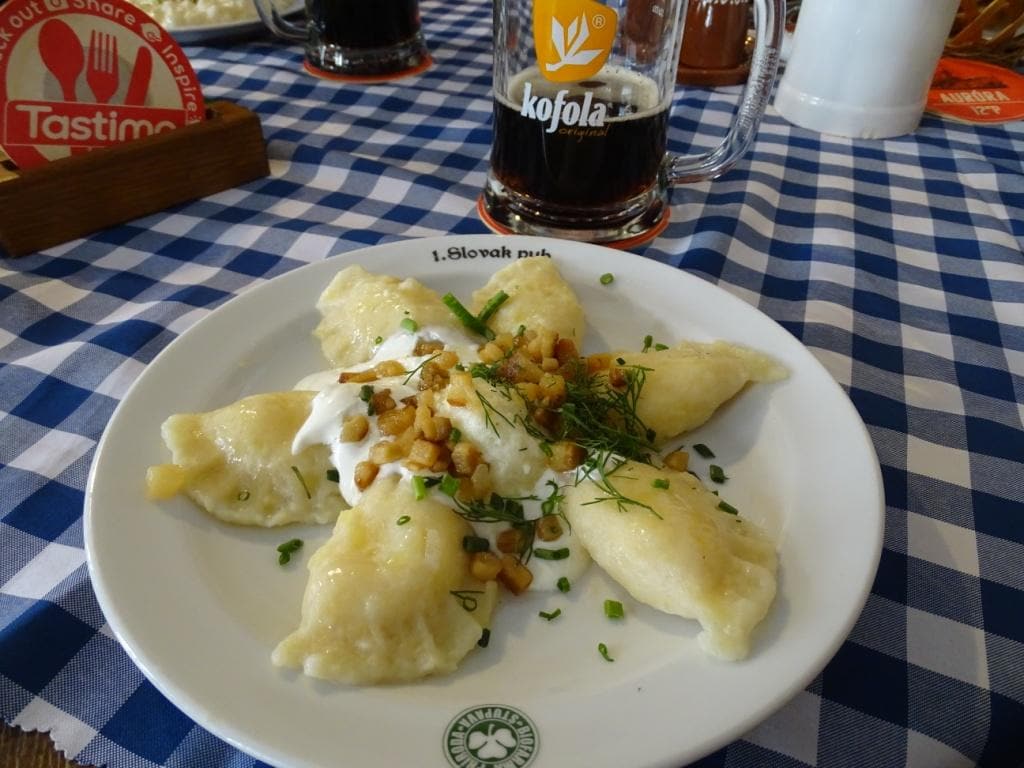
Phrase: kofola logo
x=572 y=39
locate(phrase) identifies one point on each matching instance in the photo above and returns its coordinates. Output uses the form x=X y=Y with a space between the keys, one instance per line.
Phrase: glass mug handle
x=768 y=23
x=280 y=26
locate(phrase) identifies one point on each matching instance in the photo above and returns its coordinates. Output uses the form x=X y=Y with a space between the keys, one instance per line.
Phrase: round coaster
x=624 y=244
x=423 y=66
x=77 y=75
x=976 y=92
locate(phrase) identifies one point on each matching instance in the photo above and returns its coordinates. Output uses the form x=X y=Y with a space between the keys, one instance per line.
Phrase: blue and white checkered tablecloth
x=899 y=263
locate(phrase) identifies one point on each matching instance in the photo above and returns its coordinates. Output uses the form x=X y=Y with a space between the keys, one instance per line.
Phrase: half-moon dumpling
x=357 y=307
x=538 y=298
x=389 y=599
x=680 y=554
x=687 y=383
x=236 y=463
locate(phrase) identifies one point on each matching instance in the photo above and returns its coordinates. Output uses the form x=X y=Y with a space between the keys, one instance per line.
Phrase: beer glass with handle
x=582 y=93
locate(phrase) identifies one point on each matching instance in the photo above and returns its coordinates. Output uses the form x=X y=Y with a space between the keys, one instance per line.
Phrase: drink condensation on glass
x=357 y=38
x=582 y=93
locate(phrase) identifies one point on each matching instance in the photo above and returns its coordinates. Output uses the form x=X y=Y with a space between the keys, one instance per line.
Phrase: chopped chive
x=661 y=483
x=704 y=451
x=603 y=650
x=244 y=495
x=545 y=448
x=419 y=487
x=403 y=520
x=492 y=306
x=287 y=549
x=466 y=318
x=365 y=393
x=613 y=609
x=619 y=361
x=302 y=481
x=660 y=347
x=466 y=598
x=727 y=507
x=333 y=476
x=475 y=544
x=551 y=554
x=485 y=638
x=549 y=616
x=410 y=325
x=607 y=278
x=449 y=485
x=563 y=584
x=379 y=340
x=717 y=473
x=455 y=435
x=648 y=341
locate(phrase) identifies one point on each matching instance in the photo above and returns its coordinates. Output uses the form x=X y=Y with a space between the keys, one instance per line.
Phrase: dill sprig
x=604 y=419
x=599 y=469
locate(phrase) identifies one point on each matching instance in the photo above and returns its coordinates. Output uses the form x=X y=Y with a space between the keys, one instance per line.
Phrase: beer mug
x=355 y=39
x=582 y=92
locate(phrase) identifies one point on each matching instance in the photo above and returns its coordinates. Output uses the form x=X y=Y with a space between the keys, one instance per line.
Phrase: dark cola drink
x=580 y=145
x=364 y=24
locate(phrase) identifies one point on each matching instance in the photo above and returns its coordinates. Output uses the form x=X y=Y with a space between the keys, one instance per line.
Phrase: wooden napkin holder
x=77 y=195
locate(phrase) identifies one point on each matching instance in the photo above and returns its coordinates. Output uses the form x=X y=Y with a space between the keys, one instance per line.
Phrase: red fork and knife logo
x=66 y=59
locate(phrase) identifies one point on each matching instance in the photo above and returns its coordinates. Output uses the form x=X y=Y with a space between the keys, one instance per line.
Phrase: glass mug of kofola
x=355 y=39
x=582 y=92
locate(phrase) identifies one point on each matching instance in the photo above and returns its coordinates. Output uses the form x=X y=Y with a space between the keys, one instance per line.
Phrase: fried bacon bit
x=426 y=347
x=466 y=457
x=677 y=460
x=566 y=455
x=509 y=540
x=617 y=377
x=461 y=390
x=394 y=422
x=549 y=528
x=381 y=402
x=365 y=474
x=423 y=454
x=357 y=377
x=598 y=363
x=552 y=390
x=385 y=452
x=484 y=566
x=514 y=575
x=354 y=428
x=566 y=352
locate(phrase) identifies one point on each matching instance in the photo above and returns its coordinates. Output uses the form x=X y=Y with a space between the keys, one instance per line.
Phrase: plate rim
x=224 y=729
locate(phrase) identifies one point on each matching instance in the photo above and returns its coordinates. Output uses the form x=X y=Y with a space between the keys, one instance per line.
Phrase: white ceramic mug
x=862 y=68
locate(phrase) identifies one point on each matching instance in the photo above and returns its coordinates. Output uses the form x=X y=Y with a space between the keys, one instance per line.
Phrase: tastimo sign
x=492 y=736
x=80 y=75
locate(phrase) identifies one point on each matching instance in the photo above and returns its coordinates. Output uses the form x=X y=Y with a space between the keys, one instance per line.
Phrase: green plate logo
x=491 y=735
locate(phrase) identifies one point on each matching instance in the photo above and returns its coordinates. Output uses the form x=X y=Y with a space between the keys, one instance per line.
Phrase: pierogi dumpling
x=389 y=602
x=236 y=462
x=686 y=557
x=687 y=383
x=357 y=307
x=538 y=298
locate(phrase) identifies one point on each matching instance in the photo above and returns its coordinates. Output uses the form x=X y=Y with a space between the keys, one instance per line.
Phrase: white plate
x=200 y=605
x=207 y=33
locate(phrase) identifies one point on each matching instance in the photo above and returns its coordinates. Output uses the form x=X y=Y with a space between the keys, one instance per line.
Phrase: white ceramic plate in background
x=200 y=605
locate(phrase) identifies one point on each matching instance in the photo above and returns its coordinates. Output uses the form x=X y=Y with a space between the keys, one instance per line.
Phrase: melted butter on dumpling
x=379 y=606
x=236 y=463
x=690 y=559
x=687 y=383
x=357 y=307
x=538 y=298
